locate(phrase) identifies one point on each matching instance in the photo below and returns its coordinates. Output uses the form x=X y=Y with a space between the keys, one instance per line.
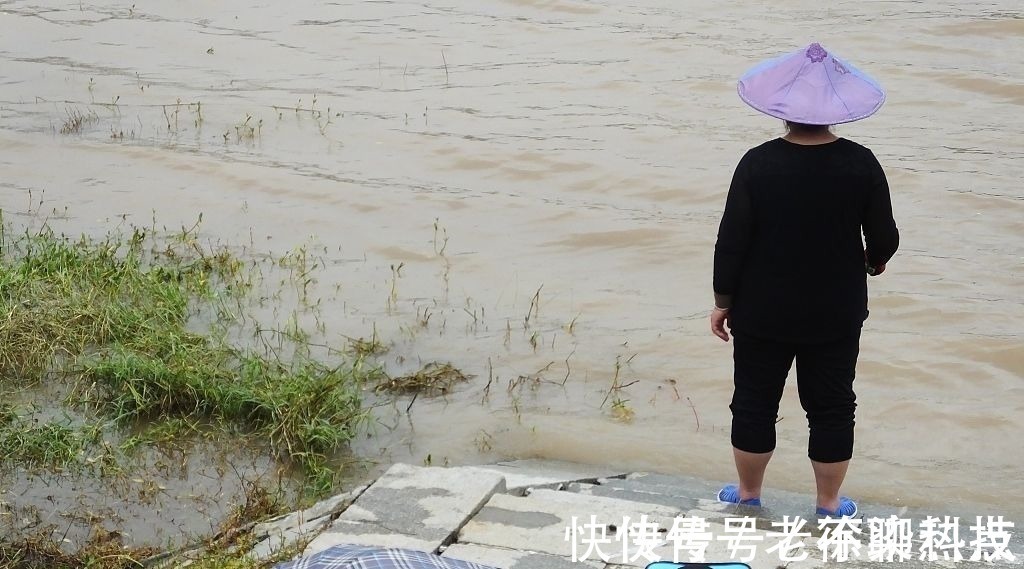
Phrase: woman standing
x=791 y=265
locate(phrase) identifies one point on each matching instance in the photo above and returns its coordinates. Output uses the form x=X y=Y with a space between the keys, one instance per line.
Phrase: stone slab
x=523 y=475
x=693 y=495
x=779 y=503
x=296 y=520
x=357 y=533
x=634 y=493
x=409 y=506
x=514 y=559
x=671 y=484
x=280 y=539
x=716 y=512
x=539 y=521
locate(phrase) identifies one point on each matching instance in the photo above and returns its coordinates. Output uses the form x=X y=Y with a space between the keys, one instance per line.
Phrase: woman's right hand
x=873 y=270
x=719 y=319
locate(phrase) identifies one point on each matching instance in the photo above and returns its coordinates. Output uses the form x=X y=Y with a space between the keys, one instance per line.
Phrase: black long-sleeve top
x=789 y=256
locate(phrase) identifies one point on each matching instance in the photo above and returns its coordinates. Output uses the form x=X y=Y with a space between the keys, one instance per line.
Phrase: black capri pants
x=825 y=373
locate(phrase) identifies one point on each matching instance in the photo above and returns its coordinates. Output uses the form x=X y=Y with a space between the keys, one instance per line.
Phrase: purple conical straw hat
x=811 y=86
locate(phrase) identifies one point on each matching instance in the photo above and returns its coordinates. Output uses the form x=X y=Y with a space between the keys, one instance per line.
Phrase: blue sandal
x=730 y=494
x=847 y=509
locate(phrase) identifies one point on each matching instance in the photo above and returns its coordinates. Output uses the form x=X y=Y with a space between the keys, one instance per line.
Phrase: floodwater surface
x=530 y=190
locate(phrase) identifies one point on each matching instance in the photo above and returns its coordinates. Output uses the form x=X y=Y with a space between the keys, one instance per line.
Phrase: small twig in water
x=534 y=305
x=568 y=369
x=672 y=382
x=490 y=379
x=615 y=381
x=694 y=409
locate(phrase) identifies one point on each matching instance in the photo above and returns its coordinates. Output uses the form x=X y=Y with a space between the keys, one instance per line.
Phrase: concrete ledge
x=284 y=531
x=538 y=522
x=413 y=507
x=524 y=475
x=355 y=533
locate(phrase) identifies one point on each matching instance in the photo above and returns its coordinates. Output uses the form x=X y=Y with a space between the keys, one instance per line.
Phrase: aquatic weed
x=116 y=319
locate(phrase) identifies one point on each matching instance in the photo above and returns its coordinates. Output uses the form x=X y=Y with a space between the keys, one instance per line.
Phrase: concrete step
x=516 y=515
x=696 y=497
x=695 y=493
x=411 y=507
x=537 y=474
x=538 y=521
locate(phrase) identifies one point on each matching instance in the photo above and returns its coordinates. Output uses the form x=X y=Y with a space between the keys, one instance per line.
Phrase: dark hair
x=802 y=128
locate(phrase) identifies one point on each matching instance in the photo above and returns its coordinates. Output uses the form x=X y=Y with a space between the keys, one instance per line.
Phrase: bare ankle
x=749 y=493
x=830 y=503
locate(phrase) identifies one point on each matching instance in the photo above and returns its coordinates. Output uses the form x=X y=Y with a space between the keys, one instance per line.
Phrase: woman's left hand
x=719 y=319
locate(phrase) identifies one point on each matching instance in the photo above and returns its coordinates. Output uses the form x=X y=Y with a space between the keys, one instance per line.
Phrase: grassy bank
x=149 y=338
x=138 y=326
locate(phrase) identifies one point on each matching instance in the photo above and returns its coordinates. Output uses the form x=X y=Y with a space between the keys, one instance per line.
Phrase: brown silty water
x=580 y=149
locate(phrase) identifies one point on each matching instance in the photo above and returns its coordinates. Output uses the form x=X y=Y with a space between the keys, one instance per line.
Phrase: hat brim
x=797 y=89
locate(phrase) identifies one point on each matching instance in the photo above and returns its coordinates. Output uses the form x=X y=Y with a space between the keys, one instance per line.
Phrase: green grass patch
x=138 y=324
x=49 y=444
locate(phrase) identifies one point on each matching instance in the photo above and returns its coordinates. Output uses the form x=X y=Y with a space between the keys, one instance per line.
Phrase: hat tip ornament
x=816 y=53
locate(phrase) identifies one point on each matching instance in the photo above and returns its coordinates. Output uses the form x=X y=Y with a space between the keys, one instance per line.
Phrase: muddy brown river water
x=581 y=149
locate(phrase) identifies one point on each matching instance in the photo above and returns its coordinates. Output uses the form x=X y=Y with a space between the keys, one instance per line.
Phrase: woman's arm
x=881 y=236
x=731 y=249
x=733 y=238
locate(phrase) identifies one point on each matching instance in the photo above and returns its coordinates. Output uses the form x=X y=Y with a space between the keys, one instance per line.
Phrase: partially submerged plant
x=103 y=551
x=433 y=379
x=36 y=444
x=363 y=348
x=116 y=320
x=76 y=120
x=621 y=411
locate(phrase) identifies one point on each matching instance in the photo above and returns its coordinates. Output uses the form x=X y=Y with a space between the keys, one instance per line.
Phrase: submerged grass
x=48 y=444
x=229 y=548
x=126 y=322
x=41 y=553
x=301 y=409
x=433 y=379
